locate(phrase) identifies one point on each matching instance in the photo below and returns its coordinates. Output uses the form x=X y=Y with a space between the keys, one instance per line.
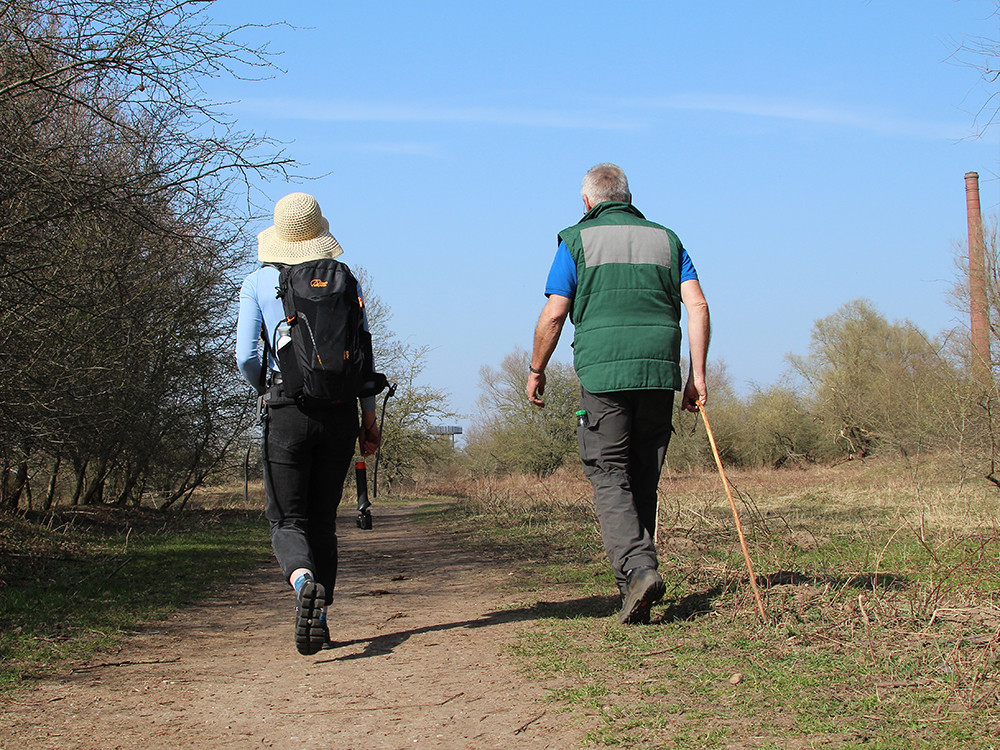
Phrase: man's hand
x=536 y=388
x=369 y=437
x=694 y=393
x=550 y=325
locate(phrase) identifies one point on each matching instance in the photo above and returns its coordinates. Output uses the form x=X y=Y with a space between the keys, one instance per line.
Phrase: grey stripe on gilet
x=625 y=243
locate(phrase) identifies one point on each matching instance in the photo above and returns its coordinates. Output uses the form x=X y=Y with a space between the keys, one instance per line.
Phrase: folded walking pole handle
x=364 y=504
x=381 y=425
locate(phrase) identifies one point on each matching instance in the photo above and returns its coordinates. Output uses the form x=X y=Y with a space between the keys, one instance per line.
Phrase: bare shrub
x=511 y=435
x=118 y=244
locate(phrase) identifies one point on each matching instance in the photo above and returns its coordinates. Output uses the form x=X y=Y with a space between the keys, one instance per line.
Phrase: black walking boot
x=310 y=631
x=327 y=642
x=645 y=587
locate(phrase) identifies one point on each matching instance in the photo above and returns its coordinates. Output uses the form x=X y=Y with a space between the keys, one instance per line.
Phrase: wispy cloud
x=802 y=111
x=617 y=115
x=394 y=148
x=352 y=111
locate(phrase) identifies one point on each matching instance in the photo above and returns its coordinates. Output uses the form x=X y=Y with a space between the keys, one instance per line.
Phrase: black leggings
x=307 y=454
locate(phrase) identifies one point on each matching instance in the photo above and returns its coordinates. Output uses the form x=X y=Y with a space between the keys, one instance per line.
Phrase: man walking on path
x=307 y=448
x=621 y=279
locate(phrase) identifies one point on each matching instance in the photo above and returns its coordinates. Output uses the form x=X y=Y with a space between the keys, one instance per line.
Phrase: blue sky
x=807 y=153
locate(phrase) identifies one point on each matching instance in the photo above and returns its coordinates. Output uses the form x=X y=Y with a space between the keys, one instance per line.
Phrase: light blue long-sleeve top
x=259 y=304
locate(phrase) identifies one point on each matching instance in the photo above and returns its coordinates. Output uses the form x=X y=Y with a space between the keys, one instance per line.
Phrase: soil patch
x=422 y=661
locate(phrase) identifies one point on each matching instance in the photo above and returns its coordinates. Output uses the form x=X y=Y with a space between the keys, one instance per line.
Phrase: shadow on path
x=380 y=645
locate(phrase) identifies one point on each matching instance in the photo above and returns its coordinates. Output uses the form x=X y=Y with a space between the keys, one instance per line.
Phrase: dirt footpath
x=421 y=661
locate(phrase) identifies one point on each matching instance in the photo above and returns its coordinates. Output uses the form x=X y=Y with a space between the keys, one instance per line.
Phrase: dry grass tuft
x=880 y=580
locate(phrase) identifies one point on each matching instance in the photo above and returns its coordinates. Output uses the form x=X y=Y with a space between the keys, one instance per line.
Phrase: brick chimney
x=978 y=309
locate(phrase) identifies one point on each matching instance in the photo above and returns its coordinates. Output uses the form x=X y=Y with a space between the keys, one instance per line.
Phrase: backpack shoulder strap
x=262 y=382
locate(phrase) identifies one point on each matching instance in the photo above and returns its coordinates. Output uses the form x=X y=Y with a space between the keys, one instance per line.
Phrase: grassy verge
x=880 y=585
x=76 y=582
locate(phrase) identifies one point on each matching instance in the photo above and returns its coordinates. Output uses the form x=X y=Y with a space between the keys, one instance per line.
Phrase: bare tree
x=119 y=240
x=982 y=54
x=877 y=384
x=509 y=434
x=975 y=415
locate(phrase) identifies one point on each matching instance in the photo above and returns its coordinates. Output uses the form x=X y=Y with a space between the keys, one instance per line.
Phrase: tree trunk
x=3 y=486
x=14 y=493
x=81 y=475
x=50 y=493
x=95 y=492
x=131 y=480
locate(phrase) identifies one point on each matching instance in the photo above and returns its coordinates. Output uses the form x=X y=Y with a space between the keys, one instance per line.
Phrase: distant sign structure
x=444 y=429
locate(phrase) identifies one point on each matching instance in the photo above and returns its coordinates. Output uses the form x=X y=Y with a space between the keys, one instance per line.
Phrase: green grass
x=883 y=629
x=79 y=581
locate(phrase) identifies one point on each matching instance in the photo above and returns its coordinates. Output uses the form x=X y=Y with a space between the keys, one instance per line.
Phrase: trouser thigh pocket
x=589 y=443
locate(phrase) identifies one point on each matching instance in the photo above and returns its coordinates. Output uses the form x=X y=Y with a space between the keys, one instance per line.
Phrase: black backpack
x=329 y=356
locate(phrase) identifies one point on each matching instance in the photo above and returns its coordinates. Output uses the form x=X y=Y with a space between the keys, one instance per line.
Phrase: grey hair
x=606 y=182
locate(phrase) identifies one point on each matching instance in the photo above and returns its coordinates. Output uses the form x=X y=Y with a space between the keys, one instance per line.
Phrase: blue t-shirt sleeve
x=562 y=275
x=687 y=267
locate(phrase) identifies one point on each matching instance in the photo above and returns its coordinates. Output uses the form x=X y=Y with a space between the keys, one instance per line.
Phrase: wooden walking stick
x=736 y=515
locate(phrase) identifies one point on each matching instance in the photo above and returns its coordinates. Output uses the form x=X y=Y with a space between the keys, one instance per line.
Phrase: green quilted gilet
x=627 y=308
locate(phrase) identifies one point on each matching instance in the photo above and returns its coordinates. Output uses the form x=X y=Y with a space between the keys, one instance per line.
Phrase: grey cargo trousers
x=623 y=448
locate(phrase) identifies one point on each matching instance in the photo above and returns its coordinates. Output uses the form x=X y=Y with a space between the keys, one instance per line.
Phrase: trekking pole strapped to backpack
x=364 y=514
x=361 y=474
x=388 y=394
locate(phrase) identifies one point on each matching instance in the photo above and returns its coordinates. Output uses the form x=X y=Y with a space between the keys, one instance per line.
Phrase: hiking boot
x=640 y=618
x=327 y=643
x=644 y=588
x=310 y=631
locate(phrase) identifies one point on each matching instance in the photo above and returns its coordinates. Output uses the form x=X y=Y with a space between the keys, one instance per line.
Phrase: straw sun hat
x=300 y=233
